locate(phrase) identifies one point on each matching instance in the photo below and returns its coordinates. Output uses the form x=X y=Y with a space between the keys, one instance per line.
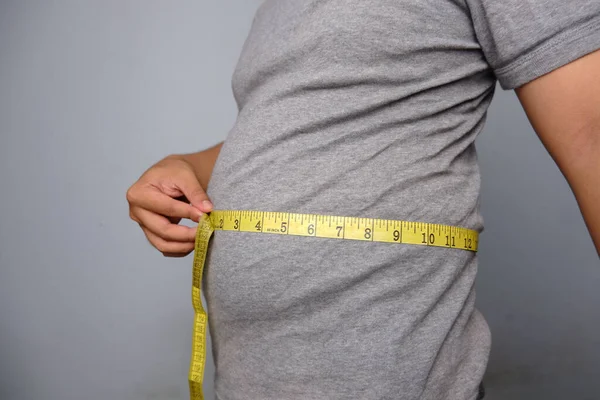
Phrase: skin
x=563 y=107
x=564 y=110
x=155 y=200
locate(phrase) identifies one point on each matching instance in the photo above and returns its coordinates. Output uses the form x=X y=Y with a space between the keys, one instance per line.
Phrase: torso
x=354 y=108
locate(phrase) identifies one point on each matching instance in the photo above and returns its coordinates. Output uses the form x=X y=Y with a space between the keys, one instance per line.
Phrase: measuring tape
x=322 y=226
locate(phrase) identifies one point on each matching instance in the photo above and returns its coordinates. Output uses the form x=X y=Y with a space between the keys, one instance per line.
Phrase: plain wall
x=93 y=92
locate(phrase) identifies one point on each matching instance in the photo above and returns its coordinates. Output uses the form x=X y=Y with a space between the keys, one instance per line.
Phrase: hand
x=164 y=194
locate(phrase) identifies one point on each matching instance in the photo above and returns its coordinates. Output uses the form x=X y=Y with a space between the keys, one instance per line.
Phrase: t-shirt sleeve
x=525 y=39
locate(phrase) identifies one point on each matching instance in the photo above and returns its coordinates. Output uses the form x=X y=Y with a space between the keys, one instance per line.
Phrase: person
x=370 y=109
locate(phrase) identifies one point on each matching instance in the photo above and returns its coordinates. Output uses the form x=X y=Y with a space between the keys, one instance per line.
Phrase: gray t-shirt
x=366 y=108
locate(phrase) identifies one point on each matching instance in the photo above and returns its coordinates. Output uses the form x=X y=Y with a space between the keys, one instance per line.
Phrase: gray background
x=93 y=93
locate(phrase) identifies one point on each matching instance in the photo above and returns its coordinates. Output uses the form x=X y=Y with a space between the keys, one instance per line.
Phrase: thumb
x=191 y=189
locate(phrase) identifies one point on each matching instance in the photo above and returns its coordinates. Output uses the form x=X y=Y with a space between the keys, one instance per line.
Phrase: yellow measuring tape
x=322 y=226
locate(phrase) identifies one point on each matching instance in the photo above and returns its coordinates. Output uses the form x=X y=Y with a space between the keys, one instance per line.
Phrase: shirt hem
x=558 y=51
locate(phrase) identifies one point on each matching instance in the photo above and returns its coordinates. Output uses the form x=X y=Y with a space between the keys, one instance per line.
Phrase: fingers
x=192 y=190
x=163 y=228
x=153 y=203
x=169 y=249
x=159 y=203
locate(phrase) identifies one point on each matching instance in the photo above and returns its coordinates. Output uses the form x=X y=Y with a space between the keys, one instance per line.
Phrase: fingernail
x=207 y=204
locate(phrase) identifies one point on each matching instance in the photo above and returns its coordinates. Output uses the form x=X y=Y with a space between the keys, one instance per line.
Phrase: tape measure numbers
x=322 y=226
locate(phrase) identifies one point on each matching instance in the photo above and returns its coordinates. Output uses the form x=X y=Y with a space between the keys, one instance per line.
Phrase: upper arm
x=563 y=107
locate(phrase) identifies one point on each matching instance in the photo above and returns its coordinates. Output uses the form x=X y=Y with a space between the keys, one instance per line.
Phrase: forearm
x=203 y=162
